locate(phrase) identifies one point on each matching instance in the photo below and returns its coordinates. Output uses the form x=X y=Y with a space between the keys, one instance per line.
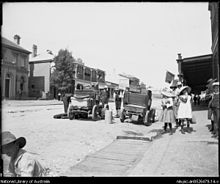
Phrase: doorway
x=7 y=88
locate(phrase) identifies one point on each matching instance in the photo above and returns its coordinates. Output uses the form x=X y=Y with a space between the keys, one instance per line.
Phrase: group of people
x=212 y=95
x=176 y=106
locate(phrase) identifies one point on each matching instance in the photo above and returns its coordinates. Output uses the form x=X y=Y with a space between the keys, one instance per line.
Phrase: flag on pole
x=169 y=77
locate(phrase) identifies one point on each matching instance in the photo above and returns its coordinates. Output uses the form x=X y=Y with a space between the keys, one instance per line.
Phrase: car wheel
x=94 y=112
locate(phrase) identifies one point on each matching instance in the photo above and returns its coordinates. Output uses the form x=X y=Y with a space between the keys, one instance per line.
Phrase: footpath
x=194 y=153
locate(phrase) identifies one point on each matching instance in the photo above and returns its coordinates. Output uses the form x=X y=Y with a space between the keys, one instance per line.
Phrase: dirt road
x=60 y=143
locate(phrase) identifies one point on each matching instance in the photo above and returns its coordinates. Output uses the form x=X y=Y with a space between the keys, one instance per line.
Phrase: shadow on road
x=161 y=132
x=187 y=130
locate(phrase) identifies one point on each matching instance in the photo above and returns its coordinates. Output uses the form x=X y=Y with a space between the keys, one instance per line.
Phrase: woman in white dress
x=185 y=106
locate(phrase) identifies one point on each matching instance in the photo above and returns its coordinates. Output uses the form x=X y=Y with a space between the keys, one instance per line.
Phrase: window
x=22 y=61
x=94 y=76
x=80 y=72
x=87 y=74
x=15 y=59
x=8 y=76
x=79 y=86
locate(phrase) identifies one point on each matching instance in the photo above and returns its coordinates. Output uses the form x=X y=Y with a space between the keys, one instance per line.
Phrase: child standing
x=167 y=115
x=185 y=106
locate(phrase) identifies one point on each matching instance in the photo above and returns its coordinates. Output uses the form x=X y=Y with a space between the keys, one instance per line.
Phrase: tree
x=62 y=76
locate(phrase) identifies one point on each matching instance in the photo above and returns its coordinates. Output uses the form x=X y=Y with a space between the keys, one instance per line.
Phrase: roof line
x=197 y=56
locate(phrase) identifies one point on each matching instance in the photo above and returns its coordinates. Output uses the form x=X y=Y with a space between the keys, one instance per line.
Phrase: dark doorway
x=7 y=87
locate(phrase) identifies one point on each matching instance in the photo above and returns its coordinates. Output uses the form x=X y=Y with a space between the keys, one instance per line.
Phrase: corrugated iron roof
x=13 y=45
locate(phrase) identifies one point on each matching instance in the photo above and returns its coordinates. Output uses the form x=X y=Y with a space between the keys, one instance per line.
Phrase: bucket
x=108 y=116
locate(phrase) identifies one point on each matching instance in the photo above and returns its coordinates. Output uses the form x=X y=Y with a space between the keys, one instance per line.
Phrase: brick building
x=14 y=69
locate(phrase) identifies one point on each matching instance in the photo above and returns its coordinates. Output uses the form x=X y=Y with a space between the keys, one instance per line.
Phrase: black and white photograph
x=110 y=89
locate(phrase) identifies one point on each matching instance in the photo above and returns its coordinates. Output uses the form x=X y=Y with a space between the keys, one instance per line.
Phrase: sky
x=137 y=38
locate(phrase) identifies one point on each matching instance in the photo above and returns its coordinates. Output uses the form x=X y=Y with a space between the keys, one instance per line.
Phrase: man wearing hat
x=214 y=105
x=22 y=163
x=208 y=97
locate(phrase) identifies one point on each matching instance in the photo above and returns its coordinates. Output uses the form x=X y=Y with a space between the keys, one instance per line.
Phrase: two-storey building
x=40 y=72
x=14 y=69
x=86 y=76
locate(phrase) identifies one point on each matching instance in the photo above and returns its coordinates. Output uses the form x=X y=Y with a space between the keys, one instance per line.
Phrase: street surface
x=63 y=145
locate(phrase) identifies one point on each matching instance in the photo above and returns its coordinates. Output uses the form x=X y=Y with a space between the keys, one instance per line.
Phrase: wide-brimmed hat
x=8 y=137
x=167 y=93
x=211 y=80
x=215 y=84
x=185 y=87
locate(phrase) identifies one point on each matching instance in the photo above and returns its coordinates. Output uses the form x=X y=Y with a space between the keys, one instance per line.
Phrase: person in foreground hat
x=185 y=107
x=22 y=163
x=167 y=115
x=214 y=105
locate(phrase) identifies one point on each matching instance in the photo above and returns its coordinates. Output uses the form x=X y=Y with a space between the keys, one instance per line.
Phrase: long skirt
x=167 y=116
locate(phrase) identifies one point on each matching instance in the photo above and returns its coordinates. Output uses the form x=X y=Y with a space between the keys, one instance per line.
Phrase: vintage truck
x=85 y=103
x=136 y=106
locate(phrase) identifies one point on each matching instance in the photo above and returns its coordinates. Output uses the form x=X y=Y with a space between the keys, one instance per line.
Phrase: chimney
x=179 y=56
x=34 y=50
x=17 y=39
